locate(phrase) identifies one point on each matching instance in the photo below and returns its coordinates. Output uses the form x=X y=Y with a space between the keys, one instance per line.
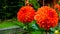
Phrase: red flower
x=26 y=14
x=46 y=17
x=57 y=7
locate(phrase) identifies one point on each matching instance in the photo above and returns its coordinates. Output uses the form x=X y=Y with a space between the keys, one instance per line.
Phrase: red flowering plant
x=26 y=15
x=46 y=17
x=57 y=7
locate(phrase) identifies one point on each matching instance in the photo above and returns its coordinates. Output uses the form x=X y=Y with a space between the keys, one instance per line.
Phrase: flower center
x=51 y=14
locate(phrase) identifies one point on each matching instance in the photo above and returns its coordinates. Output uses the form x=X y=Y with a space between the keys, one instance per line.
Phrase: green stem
x=41 y=32
x=27 y=28
x=46 y=32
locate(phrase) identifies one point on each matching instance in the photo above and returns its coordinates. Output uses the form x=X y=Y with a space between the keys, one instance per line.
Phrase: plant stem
x=46 y=32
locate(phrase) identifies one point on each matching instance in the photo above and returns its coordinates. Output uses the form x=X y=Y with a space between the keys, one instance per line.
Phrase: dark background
x=9 y=8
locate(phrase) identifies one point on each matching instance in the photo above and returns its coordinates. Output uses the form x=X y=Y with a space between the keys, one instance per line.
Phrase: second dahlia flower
x=26 y=14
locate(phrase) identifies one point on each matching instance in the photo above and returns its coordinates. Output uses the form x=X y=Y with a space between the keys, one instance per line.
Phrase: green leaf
x=19 y=23
x=50 y=32
x=34 y=26
x=36 y=32
x=53 y=29
x=34 y=3
x=7 y=23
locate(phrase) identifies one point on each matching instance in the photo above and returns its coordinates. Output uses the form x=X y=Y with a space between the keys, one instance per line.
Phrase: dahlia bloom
x=26 y=14
x=57 y=7
x=46 y=17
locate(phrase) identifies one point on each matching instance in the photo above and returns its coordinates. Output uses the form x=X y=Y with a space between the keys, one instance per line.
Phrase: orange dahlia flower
x=57 y=7
x=46 y=17
x=26 y=14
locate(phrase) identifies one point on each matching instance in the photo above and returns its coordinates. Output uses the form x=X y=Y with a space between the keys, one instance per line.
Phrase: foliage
x=34 y=3
x=34 y=28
